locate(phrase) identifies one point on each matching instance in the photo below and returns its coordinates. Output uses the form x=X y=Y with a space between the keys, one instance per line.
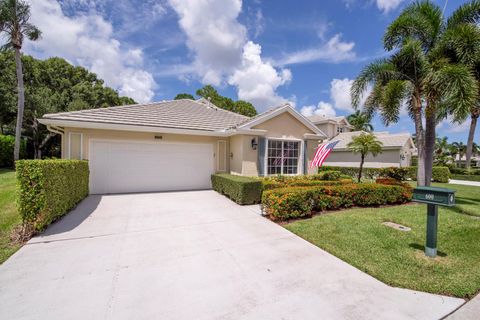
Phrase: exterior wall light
x=254 y=144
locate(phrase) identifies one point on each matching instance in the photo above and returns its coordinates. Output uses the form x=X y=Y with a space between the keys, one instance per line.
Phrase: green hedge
x=242 y=190
x=271 y=184
x=48 y=189
x=300 y=202
x=465 y=177
x=439 y=174
x=7 y=143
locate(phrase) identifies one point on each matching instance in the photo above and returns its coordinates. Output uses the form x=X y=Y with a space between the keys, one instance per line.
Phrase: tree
x=364 y=144
x=240 y=106
x=419 y=75
x=360 y=121
x=458 y=148
x=14 y=17
x=442 y=151
x=52 y=85
x=184 y=96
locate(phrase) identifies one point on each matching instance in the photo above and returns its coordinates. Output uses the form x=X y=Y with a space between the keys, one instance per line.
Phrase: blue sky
x=266 y=52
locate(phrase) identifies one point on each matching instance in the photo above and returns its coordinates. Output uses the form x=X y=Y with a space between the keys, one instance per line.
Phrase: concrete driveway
x=190 y=255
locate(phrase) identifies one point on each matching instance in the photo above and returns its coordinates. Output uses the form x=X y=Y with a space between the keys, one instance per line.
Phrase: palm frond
x=466 y=13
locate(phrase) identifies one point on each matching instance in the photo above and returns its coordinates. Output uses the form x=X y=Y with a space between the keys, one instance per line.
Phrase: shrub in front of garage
x=242 y=190
x=48 y=189
x=300 y=202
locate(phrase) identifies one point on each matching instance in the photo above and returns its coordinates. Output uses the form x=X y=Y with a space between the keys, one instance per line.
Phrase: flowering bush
x=298 y=202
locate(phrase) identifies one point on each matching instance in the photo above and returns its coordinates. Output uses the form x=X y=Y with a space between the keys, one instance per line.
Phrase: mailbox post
x=433 y=197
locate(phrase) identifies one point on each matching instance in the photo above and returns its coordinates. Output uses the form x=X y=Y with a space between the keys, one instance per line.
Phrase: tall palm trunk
x=471 y=135
x=21 y=104
x=361 y=168
x=420 y=142
x=430 y=124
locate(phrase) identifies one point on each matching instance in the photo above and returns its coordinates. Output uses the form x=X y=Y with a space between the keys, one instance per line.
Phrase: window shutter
x=304 y=155
x=262 y=142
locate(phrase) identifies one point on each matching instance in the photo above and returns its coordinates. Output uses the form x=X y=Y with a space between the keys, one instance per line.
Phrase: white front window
x=282 y=157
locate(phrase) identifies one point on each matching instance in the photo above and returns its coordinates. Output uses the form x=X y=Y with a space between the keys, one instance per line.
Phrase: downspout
x=61 y=132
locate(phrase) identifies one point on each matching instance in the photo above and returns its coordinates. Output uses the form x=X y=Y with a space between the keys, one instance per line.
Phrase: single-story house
x=397 y=151
x=177 y=145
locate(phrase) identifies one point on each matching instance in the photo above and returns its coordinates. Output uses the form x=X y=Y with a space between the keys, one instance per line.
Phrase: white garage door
x=121 y=167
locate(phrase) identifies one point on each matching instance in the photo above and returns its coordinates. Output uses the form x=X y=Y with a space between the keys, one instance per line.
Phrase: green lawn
x=9 y=217
x=358 y=237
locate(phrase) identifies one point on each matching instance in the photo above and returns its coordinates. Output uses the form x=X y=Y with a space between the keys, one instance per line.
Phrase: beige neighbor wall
x=89 y=134
x=388 y=158
x=244 y=159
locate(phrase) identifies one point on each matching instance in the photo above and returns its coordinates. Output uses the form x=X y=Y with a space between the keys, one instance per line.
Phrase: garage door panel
x=120 y=167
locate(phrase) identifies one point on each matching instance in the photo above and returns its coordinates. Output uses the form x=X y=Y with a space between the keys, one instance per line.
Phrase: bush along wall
x=439 y=174
x=242 y=190
x=48 y=189
x=300 y=202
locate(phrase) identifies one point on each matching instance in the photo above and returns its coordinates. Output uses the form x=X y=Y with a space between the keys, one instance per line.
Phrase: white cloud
x=222 y=51
x=388 y=5
x=383 y=5
x=257 y=80
x=213 y=35
x=448 y=125
x=322 y=109
x=87 y=40
x=340 y=94
x=334 y=50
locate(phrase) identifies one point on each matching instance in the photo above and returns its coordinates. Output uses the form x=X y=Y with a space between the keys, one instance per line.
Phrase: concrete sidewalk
x=469 y=311
x=191 y=255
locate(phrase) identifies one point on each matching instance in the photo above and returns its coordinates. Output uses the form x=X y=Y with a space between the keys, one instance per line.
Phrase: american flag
x=322 y=152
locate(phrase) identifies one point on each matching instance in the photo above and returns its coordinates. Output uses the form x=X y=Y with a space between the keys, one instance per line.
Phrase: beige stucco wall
x=347 y=158
x=245 y=160
x=284 y=126
x=328 y=128
x=240 y=157
x=89 y=134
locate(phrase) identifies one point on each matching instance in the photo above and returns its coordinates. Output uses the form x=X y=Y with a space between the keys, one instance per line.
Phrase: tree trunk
x=21 y=104
x=361 y=168
x=471 y=135
x=38 y=153
x=420 y=143
x=430 y=124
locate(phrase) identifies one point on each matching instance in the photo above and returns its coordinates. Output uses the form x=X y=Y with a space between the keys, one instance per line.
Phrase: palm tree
x=442 y=151
x=364 y=144
x=360 y=121
x=14 y=17
x=419 y=75
x=458 y=148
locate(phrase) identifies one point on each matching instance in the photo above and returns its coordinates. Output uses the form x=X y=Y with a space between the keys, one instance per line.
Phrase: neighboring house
x=475 y=161
x=331 y=126
x=177 y=145
x=396 y=151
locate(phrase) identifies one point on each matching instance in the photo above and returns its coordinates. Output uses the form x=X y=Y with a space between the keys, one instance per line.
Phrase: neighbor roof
x=392 y=141
x=318 y=119
x=178 y=114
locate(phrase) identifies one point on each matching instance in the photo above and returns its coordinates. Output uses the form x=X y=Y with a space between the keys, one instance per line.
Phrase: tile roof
x=396 y=140
x=321 y=118
x=180 y=114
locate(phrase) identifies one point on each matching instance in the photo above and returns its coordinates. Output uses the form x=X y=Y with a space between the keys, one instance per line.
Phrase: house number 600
x=429 y=196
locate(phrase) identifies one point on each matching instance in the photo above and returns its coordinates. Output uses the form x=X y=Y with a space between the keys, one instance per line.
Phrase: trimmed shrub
x=7 y=144
x=439 y=174
x=242 y=190
x=397 y=173
x=48 y=189
x=369 y=173
x=271 y=184
x=300 y=202
x=329 y=175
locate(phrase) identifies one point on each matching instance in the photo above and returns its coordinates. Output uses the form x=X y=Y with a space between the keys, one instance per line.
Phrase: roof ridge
x=217 y=107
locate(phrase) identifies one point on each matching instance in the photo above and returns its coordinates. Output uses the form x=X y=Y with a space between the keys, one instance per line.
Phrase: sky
x=267 y=52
